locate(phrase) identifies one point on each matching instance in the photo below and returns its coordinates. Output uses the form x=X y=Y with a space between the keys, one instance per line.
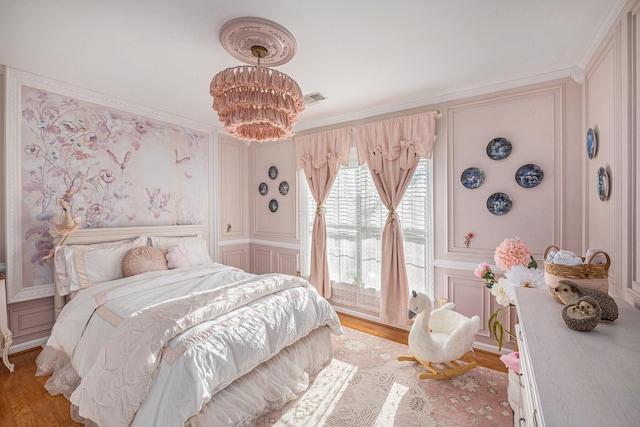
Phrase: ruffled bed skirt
x=268 y=387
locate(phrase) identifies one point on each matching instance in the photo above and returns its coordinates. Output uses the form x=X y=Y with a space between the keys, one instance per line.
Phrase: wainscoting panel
x=30 y=320
x=472 y=297
x=271 y=259
x=235 y=256
x=288 y=262
x=262 y=260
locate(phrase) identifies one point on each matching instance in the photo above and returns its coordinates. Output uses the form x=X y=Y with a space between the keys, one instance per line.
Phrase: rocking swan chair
x=439 y=337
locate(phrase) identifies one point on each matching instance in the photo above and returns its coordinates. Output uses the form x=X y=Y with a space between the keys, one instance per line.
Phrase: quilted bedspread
x=155 y=347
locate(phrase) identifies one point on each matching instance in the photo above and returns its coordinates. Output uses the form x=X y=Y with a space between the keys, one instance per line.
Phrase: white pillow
x=181 y=255
x=80 y=266
x=196 y=244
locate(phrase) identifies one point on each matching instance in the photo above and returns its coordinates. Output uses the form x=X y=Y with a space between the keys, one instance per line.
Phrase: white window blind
x=355 y=218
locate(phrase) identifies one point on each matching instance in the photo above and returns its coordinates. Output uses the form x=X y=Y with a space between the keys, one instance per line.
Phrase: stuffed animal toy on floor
x=440 y=336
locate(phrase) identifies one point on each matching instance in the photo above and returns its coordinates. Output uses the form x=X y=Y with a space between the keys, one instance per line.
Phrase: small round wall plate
x=592 y=143
x=273 y=205
x=529 y=176
x=472 y=178
x=263 y=188
x=273 y=172
x=603 y=184
x=283 y=188
x=499 y=203
x=499 y=148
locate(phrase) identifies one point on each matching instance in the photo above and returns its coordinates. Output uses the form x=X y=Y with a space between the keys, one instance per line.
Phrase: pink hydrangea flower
x=512 y=252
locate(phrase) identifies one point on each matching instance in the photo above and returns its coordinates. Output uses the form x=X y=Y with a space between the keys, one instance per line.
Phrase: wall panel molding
x=534 y=122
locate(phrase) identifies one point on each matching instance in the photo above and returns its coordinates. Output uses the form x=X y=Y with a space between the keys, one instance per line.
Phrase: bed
x=192 y=343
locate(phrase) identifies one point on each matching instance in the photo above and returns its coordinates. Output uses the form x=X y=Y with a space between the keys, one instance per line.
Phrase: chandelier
x=254 y=102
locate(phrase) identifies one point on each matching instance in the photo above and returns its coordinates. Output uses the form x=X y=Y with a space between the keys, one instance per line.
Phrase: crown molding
x=438 y=99
x=601 y=31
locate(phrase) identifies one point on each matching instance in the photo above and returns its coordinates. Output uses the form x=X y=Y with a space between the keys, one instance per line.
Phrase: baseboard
x=28 y=345
x=491 y=348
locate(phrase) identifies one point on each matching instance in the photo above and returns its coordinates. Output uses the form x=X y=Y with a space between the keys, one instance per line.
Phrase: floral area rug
x=364 y=385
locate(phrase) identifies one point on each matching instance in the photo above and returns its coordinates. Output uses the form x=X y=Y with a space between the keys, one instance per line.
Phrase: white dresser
x=571 y=378
x=5 y=337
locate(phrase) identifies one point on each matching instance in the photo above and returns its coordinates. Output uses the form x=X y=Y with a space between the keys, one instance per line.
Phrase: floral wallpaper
x=110 y=168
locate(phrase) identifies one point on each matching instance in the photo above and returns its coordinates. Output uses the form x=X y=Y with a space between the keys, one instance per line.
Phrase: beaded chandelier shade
x=254 y=102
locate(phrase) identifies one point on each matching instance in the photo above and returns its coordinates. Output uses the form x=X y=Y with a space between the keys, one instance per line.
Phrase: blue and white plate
x=472 y=178
x=529 y=176
x=273 y=205
x=283 y=188
x=592 y=143
x=263 y=188
x=499 y=203
x=499 y=148
x=273 y=172
x=603 y=184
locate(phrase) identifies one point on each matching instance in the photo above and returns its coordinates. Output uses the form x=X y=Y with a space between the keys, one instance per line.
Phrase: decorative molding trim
x=554 y=94
x=223 y=243
x=98 y=235
x=437 y=99
x=601 y=32
x=239 y=35
x=577 y=74
x=28 y=345
x=274 y=244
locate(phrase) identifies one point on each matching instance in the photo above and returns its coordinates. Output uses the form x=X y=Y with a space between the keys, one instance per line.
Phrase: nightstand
x=4 y=324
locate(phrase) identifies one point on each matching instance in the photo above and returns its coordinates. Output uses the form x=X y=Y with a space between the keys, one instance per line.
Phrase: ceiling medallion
x=254 y=102
x=239 y=35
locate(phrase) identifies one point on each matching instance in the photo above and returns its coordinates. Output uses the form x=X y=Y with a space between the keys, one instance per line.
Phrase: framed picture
x=110 y=162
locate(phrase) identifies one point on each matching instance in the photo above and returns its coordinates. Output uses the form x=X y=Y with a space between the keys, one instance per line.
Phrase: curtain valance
x=407 y=138
x=318 y=149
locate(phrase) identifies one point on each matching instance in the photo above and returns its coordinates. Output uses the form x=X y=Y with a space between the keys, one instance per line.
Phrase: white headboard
x=86 y=236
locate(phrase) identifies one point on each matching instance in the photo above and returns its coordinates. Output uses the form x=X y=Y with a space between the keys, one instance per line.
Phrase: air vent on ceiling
x=313 y=98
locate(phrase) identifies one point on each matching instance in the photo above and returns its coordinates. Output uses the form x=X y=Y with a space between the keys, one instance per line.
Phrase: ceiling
x=368 y=57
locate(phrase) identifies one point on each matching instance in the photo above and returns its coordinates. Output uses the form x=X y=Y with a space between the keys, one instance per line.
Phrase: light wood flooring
x=25 y=402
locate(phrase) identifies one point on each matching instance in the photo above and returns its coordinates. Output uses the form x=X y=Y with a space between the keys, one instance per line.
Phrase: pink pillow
x=181 y=256
x=143 y=259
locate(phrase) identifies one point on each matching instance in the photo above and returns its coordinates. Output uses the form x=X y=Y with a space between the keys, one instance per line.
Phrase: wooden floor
x=25 y=402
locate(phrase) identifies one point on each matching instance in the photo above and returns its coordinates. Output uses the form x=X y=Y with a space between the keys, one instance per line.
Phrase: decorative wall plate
x=263 y=188
x=528 y=176
x=499 y=148
x=284 y=188
x=603 y=184
x=592 y=143
x=273 y=172
x=472 y=178
x=499 y=203
x=273 y=205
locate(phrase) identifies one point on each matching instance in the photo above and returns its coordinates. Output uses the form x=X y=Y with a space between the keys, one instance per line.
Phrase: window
x=355 y=218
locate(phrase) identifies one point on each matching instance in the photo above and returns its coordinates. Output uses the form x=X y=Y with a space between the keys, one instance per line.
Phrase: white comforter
x=152 y=349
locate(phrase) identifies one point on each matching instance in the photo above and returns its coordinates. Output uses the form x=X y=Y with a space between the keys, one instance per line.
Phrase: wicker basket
x=594 y=276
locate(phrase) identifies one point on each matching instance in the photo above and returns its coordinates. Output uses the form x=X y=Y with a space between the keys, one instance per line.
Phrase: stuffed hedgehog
x=569 y=293
x=584 y=315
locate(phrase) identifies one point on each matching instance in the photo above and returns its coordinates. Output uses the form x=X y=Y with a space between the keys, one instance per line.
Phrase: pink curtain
x=320 y=155
x=392 y=149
